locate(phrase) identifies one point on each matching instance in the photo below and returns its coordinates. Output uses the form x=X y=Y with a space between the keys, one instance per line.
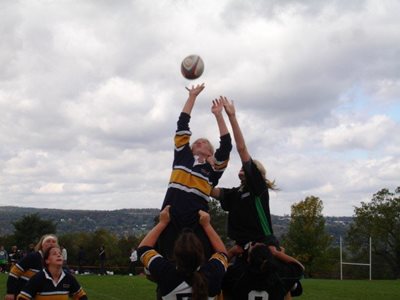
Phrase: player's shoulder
x=39 y=276
x=31 y=257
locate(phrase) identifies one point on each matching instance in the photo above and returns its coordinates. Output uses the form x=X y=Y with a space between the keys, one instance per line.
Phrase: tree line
x=306 y=238
x=378 y=219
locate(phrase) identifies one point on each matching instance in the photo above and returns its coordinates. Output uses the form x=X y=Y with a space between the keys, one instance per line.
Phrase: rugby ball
x=192 y=67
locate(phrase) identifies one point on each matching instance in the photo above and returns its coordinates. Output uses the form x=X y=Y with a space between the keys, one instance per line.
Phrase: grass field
x=139 y=288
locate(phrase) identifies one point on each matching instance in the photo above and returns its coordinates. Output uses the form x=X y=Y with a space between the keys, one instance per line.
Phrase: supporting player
x=28 y=266
x=190 y=275
x=52 y=282
x=262 y=276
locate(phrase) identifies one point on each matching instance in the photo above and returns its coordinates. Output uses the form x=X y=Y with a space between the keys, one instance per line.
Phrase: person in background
x=102 y=259
x=81 y=259
x=3 y=259
x=14 y=256
x=28 y=266
x=31 y=248
x=190 y=275
x=133 y=261
x=52 y=282
x=64 y=254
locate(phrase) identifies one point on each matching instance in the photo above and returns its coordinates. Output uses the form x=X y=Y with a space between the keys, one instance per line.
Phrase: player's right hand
x=195 y=90
x=204 y=218
x=164 y=215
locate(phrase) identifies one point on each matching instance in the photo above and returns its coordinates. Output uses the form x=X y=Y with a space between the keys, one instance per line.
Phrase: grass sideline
x=119 y=287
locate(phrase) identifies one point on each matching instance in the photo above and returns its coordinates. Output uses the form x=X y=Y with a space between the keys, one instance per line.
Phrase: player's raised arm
x=152 y=236
x=216 y=242
x=237 y=133
x=216 y=109
x=194 y=91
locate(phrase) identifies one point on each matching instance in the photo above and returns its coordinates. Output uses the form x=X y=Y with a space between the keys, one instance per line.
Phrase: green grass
x=139 y=288
x=319 y=289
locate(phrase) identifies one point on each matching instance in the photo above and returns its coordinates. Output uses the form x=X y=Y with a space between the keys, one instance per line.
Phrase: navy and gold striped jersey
x=191 y=182
x=42 y=287
x=173 y=285
x=22 y=271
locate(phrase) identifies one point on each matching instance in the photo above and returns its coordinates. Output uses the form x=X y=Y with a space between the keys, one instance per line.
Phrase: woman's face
x=55 y=257
x=201 y=146
x=48 y=242
x=241 y=175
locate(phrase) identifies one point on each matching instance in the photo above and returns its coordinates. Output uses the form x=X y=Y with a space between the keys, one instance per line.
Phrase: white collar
x=197 y=161
x=48 y=276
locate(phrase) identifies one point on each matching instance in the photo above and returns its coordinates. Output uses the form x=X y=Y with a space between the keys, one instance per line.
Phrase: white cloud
x=352 y=134
x=90 y=93
x=50 y=188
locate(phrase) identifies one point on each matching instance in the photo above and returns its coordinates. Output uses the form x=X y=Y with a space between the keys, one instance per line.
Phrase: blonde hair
x=208 y=142
x=39 y=245
x=270 y=184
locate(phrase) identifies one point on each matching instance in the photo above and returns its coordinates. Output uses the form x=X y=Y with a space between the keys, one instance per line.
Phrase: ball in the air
x=192 y=67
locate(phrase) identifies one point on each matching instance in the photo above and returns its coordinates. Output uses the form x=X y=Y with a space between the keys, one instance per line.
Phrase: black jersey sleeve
x=227 y=197
x=214 y=271
x=17 y=271
x=222 y=154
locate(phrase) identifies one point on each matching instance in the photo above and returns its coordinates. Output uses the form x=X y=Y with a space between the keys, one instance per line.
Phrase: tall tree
x=380 y=220
x=307 y=239
x=30 y=228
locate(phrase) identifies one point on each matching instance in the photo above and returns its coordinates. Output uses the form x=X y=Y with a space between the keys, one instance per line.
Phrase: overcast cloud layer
x=90 y=92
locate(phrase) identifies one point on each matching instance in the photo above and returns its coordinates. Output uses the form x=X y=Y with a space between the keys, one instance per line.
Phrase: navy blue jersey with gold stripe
x=191 y=182
x=42 y=287
x=22 y=271
x=243 y=222
x=174 y=285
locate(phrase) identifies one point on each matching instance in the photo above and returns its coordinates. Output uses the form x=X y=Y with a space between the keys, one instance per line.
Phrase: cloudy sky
x=90 y=92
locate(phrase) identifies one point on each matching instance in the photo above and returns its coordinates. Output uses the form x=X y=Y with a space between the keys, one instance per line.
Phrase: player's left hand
x=217 y=106
x=228 y=105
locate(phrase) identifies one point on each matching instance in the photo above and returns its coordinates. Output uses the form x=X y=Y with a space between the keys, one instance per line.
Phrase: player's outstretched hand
x=204 y=218
x=164 y=215
x=195 y=90
x=229 y=106
x=217 y=106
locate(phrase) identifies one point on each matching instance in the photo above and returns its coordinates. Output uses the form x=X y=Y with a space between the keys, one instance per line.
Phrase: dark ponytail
x=199 y=286
x=189 y=256
x=260 y=259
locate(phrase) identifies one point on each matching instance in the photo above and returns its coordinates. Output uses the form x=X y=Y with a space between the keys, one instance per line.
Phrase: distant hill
x=121 y=222
x=129 y=221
